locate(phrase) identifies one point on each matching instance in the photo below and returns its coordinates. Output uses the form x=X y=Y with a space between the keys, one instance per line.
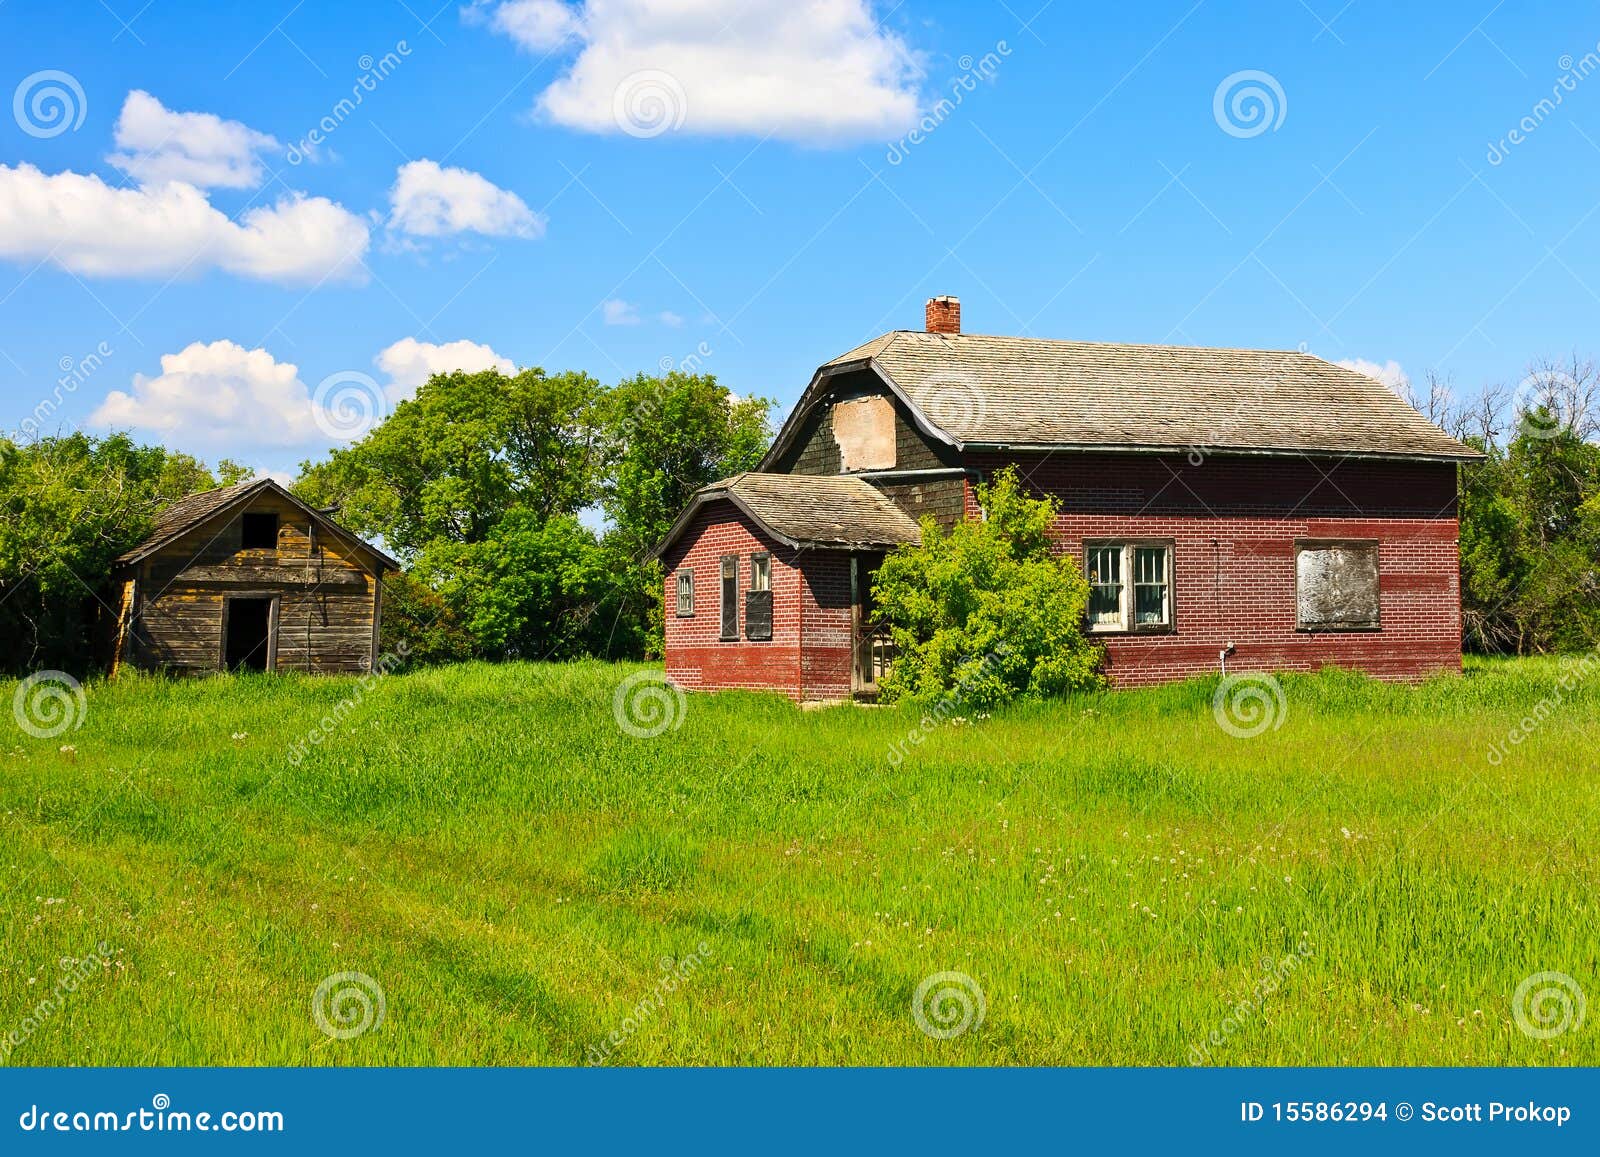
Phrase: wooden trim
x=274 y=601
x=377 y=620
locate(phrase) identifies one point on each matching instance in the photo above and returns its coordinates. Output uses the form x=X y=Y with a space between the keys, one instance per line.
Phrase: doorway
x=871 y=649
x=247 y=635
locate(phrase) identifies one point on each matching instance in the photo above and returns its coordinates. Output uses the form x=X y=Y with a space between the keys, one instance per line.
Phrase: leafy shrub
x=987 y=613
x=419 y=624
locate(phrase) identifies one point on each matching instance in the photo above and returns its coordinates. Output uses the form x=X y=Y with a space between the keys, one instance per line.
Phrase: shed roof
x=808 y=510
x=980 y=391
x=188 y=512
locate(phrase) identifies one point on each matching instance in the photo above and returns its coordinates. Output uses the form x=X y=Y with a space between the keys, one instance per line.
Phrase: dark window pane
x=758 y=614
x=259 y=531
x=730 y=597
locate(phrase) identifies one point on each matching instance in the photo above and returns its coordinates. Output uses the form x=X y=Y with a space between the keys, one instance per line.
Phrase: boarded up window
x=758 y=599
x=730 y=596
x=1336 y=585
x=864 y=430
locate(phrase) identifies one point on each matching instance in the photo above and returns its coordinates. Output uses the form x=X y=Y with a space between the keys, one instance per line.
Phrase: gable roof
x=972 y=390
x=190 y=511
x=807 y=510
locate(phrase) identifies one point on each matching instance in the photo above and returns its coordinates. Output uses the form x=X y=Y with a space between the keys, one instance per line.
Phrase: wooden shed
x=249 y=577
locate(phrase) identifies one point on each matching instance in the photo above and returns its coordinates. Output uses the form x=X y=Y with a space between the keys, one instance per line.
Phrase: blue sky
x=616 y=185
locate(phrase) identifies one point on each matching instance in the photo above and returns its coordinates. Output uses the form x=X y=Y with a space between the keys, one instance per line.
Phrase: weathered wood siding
x=326 y=593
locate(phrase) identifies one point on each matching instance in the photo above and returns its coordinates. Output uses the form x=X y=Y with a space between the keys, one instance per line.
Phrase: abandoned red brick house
x=1264 y=506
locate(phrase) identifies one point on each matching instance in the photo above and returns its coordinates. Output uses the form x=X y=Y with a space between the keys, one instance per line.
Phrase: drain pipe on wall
x=1222 y=658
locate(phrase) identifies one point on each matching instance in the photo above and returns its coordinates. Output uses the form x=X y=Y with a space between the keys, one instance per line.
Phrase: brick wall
x=1233 y=523
x=697 y=656
x=827 y=623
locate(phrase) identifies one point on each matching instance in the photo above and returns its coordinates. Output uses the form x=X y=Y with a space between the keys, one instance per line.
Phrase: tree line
x=524 y=508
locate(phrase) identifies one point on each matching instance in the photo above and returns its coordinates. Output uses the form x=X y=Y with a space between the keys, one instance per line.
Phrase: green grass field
x=1124 y=881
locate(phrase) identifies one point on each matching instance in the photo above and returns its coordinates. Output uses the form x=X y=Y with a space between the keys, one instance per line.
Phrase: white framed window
x=1130 y=585
x=686 y=594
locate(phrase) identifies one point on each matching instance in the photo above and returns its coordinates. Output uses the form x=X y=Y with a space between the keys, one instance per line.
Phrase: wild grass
x=1122 y=878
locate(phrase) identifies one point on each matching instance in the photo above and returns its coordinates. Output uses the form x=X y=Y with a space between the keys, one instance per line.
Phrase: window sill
x=1332 y=629
x=1126 y=633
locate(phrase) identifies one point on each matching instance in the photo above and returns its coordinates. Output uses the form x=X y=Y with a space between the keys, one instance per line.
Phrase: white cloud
x=410 y=362
x=219 y=395
x=619 y=312
x=536 y=25
x=85 y=226
x=816 y=71
x=667 y=317
x=159 y=145
x=1389 y=372
x=430 y=201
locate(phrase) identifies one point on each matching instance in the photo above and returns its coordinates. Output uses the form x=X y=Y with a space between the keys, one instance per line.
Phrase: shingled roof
x=188 y=512
x=1019 y=393
x=808 y=510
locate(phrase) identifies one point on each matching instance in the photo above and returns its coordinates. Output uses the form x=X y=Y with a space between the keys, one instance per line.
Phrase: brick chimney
x=944 y=315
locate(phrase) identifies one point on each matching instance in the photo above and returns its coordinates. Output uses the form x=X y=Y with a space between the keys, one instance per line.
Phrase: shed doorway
x=247 y=635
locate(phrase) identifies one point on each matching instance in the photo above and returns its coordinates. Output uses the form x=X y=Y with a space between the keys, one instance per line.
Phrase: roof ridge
x=1071 y=341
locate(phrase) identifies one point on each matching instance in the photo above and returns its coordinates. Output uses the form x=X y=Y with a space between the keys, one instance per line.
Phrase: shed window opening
x=761 y=572
x=259 y=531
x=1130 y=586
x=730 y=597
x=686 y=594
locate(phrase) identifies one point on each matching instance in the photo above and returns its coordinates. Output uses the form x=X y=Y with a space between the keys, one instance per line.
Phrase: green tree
x=1530 y=539
x=667 y=436
x=419 y=624
x=69 y=506
x=447 y=464
x=987 y=613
